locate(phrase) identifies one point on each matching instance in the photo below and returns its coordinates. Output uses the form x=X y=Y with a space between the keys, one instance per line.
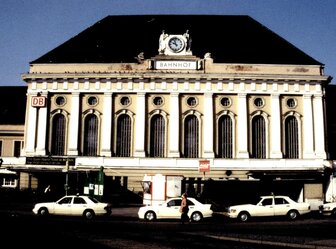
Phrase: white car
x=268 y=206
x=73 y=205
x=170 y=209
x=328 y=209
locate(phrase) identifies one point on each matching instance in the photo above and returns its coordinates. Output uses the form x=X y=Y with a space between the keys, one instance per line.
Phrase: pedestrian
x=184 y=209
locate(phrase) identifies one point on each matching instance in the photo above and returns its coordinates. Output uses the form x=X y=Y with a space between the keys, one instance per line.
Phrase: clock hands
x=175 y=44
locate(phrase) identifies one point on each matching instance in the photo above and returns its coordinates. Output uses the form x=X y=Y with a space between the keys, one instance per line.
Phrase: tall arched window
x=225 y=137
x=90 y=145
x=258 y=137
x=157 y=136
x=124 y=132
x=58 y=135
x=191 y=137
x=291 y=138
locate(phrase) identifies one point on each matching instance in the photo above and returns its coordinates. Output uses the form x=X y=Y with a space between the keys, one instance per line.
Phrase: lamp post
x=66 y=170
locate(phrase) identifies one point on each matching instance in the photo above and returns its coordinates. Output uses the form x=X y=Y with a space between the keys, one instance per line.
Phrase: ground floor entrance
x=125 y=187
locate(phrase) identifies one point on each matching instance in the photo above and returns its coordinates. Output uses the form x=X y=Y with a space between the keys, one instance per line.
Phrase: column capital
x=174 y=94
x=208 y=94
x=307 y=96
x=141 y=94
x=242 y=95
x=275 y=95
x=108 y=94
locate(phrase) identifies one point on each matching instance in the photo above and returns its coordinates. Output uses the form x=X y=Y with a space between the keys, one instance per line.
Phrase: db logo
x=38 y=101
x=204 y=166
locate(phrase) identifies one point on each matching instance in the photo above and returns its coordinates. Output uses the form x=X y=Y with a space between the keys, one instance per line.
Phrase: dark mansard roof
x=229 y=39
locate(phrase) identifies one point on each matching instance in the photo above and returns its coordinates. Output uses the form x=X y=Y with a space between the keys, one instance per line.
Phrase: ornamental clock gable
x=175 y=44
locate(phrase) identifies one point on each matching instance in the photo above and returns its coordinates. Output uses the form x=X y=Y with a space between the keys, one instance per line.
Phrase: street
x=124 y=230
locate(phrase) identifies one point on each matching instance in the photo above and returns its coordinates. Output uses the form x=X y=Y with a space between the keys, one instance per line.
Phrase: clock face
x=175 y=44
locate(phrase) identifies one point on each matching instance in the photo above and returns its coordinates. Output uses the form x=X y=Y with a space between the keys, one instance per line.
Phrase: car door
x=265 y=207
x=79 y=205
x=63 y=206
x=281 y=207
x=191 y=207
x=172 y=209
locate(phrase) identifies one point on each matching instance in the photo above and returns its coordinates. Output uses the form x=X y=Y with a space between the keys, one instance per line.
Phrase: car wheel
x=150 y=216
x=43 y=212
x=244 y=216
x=196 y=217
x=333 y=213
x=292 y=214
x=89 y=214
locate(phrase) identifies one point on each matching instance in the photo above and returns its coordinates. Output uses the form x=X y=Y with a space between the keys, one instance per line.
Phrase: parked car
x=170 y=209
x=268 y=206
x=328 y=209
x=73 y=205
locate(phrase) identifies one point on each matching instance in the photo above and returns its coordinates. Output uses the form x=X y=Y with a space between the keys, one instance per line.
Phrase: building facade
x=137 y=95
x=12 y=111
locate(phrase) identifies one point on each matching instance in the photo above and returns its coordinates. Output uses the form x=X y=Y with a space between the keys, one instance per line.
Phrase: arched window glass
x=291 y=138
x=123 y=143
x=225 y=137
x=90 y=135
x=258 y=137
x=58 y=135
x=157 y=136
x=191 y=137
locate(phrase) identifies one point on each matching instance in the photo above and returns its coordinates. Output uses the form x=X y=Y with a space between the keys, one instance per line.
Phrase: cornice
x=182 y=77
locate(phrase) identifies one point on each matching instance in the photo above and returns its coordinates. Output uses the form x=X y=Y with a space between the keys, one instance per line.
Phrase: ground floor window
x=9 y=182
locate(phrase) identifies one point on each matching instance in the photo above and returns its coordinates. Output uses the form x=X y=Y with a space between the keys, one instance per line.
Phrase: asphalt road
x=20 y=229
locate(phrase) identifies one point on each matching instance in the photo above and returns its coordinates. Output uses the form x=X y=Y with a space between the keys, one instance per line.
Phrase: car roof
x=172 y=198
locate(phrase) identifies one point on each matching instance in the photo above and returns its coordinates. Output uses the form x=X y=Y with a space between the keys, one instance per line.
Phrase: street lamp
x=66 y=170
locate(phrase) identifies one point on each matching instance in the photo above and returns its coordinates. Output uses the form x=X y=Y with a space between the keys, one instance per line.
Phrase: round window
x=158 y=100
x=291 y=102
x=92 y=100
x=125 y=101
x=192 y=101
x=60 y=101
x=225 y=101
x=258 y=102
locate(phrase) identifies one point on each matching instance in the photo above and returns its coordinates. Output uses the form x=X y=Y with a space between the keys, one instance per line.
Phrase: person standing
x=184 y=209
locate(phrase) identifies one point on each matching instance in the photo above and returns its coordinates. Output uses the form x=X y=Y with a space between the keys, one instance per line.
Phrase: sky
x=31 y=28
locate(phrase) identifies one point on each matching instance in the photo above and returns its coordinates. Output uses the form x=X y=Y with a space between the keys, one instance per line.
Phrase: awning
x=6 y=171
x=284 y=174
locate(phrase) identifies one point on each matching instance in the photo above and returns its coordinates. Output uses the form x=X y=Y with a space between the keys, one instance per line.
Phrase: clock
x=176 y=44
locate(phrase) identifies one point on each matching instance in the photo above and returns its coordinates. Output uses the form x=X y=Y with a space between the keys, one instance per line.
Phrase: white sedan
x=73 y=205
x=268 y=206
x=170 y=209
x=328 y=209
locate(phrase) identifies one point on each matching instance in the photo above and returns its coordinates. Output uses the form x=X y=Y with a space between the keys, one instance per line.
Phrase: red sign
x=38 y=101
x=204 y=166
